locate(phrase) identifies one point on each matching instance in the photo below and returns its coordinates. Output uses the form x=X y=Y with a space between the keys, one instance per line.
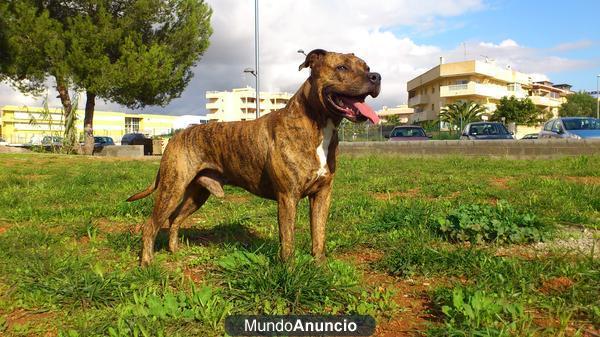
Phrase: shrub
x=487 y=223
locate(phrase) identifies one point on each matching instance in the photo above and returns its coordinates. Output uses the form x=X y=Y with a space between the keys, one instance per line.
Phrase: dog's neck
x=312 y=108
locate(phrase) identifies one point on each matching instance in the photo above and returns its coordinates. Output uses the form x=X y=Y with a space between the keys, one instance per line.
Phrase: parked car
x=52 y=141
x=138 y=139
x=486 y=131
x=407 y=133
x=100 y=142
x=571 y=127
x=530 y=136
x=131 y=138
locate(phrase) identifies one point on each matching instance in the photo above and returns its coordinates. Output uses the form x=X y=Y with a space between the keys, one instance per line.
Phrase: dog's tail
x=145 y=192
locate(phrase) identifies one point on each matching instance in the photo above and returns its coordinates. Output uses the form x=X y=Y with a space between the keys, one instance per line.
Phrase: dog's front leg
x=286 y=215
x=319 y=211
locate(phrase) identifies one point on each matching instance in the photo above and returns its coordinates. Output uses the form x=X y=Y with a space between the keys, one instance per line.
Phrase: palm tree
x=461 y=113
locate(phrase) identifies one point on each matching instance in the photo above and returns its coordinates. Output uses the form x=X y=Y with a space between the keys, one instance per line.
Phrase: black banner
x=302 y=325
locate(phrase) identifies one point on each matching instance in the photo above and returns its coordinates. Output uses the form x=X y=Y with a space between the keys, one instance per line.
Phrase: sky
x=400 y=39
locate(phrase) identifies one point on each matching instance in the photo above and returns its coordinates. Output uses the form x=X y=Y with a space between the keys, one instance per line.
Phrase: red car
x=408 y=133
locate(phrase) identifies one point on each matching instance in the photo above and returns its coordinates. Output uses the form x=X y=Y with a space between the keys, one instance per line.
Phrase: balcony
x=213 y=106
x=418 y=100
x=478 y=89
x=545 y=101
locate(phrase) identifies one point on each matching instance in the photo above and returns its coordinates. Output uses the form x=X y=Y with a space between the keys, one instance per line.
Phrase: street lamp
x=301 y=51
x=255 y=74
x=256 y=71
x=598 y=96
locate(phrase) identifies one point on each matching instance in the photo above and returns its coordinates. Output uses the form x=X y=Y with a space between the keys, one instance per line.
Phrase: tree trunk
x=88 y=123
x=70 y=143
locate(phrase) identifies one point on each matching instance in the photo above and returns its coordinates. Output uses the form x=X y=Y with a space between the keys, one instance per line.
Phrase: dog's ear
x=312 y=58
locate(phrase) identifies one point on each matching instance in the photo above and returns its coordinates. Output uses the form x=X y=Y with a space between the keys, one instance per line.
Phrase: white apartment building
x=240 y=104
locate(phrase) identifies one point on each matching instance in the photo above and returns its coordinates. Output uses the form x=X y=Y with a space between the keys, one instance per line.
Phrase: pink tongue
x=364 y=109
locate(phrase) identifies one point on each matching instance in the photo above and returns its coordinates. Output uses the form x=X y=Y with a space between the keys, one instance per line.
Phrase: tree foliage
x=132 y=52
x=518 y=111
x=391 y=120
x=579 y=104
x=459 y=114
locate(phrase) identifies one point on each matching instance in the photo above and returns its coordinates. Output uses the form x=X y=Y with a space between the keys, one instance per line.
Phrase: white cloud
x=567 y=46
x=537 y=62
x=358 y=26
x=508 y=43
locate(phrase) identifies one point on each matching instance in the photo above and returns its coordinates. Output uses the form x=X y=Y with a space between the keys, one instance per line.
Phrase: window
x=433 y=107
x=556 y=126
x=488 y=129
x=548 y=125
x=408 y=132
x=514 y=87
x=432 y=90
x=132 y=124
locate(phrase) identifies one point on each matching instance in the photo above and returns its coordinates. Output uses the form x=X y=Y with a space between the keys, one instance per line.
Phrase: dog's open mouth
x=353 y=108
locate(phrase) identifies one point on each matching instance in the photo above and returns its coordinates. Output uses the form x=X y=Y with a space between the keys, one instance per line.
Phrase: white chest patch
x=323 y=148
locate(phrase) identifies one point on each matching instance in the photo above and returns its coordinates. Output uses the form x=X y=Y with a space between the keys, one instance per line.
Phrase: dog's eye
x=341 y=68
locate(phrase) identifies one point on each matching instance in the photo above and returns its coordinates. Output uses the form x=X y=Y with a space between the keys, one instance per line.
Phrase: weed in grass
x=257 y=282
x=201 y=311
x=469 y=312
x=486 y=223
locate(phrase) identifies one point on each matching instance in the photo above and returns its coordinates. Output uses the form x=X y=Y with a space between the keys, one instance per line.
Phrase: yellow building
x=21 y=124
x=403 y=112
x=478 y=81
x=240 y=104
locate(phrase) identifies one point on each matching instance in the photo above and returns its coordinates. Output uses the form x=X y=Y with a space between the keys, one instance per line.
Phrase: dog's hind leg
x=167 y=199
x=195 y=196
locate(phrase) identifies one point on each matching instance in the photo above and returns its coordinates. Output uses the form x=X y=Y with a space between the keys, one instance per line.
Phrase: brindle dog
x=285 y=156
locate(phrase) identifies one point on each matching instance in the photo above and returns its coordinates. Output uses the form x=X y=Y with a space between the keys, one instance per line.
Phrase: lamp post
x=256 y=71
x=255 y=74
x=301 y=51
x=598 y=96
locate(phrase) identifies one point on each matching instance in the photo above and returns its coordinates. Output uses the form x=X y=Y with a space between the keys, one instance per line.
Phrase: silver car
x=571 y=127
x=486 y=131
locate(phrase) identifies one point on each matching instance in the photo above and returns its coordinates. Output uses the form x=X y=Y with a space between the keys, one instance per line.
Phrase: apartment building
x=22 y=124
x=240 y=104
x=480 y=81
x=403 y=112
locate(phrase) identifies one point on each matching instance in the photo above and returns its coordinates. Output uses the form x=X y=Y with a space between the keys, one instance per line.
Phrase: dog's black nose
x=375 y=78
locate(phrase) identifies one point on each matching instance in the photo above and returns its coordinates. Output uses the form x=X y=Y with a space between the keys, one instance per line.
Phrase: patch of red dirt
x=413 y=303
x=500 y=183
x=21 y=317
x=194 y=274
x=556 y=285
x=107 y=226
x=3 y=229
x=586 y=180
x=409 y=295
x=521 y=252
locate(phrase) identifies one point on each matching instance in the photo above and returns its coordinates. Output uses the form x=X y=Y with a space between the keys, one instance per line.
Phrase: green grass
x=69 y=249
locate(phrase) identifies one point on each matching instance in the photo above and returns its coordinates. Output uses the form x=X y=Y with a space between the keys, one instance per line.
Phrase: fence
x=518 y=149
x=23 y=137
x=350 y=132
